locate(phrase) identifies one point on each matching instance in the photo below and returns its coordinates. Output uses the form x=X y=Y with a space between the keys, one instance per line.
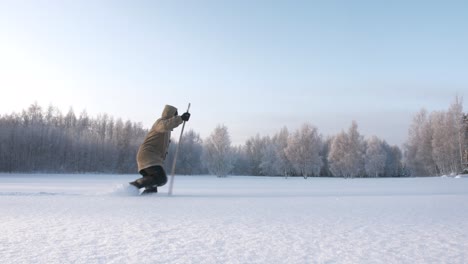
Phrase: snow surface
x=94 y=219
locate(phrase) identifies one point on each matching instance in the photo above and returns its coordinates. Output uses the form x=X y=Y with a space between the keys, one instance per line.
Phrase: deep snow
x=91 y=219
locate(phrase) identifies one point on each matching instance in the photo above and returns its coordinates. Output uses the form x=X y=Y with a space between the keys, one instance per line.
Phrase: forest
x=46 y=140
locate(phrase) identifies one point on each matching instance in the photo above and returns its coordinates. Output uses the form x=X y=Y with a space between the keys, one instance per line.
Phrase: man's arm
x=169 y=124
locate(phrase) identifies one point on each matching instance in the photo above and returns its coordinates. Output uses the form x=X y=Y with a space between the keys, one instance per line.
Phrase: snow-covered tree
x=337 y=155
x=280 y=140
x=269 y=164
x=375 y=157
x=346 y=156
x=444 y=148
x=418 y=149
x=324 y=153
x=190 y=152
x=303 y=151
x=456 y=116
x=70 y=119
x=241 y=164
x=446 y=138
x=218 y=154
x=393 y=163
x=357 y=150
x=254 y=151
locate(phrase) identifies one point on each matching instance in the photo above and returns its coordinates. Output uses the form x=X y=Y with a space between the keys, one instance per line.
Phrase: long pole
x=171 y=184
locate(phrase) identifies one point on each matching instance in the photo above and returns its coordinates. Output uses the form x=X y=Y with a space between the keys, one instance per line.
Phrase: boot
x=136 y=184
x=148 y=190
x=146 y=181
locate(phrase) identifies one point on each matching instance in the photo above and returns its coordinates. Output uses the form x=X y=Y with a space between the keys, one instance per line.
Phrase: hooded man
x=153 y=151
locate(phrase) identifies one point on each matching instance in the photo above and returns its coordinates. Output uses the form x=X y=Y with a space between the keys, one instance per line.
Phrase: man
x=153 y=151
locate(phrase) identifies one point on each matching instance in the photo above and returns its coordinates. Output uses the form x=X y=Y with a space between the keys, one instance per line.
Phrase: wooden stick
x=171 y=184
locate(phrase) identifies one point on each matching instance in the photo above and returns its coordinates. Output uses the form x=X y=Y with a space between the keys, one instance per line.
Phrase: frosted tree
x=218 y=154
x=254 y=150
x=393 y=164
x=346 y=156
x=269 y=164
x=280 y=140
x=101 y=124
x=241 y=164
x=83 y=123
x=443 y=147
x=375 y=157
x=418 y=149
x=357 y=149
x=70 y=119
x=303 y=151
x=456 y=116
x=126 y=155
x=34 y=114
x=446 y=138
x=190 y=152
x=324 y=153
x=337 y=155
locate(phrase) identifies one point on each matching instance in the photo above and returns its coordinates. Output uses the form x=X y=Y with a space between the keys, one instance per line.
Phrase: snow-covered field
x=89 y=219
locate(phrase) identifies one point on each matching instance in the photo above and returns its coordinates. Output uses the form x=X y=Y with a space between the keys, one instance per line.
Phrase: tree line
x=437 y=145
x=304 y=152
x=38 y=140
x=45 y=140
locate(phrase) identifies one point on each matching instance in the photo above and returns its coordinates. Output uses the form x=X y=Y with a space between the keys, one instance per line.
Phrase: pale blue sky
x=254 y=66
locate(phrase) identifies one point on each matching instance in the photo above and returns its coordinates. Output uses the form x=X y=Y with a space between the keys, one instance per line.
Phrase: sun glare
x=25 y=77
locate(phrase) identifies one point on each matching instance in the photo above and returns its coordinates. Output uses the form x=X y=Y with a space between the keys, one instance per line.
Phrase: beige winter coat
x=154 y=148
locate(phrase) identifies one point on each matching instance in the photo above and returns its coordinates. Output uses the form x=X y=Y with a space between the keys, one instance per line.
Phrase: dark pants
x=152 y=176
